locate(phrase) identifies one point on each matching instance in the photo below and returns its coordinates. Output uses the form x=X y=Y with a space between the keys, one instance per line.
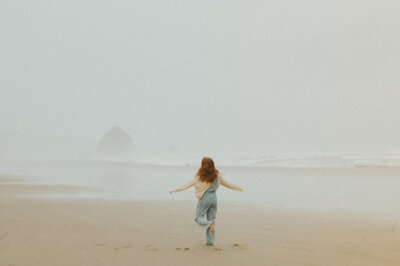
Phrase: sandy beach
x=35 y=231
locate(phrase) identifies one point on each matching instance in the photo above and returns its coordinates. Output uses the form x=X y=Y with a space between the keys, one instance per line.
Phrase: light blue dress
x=207 y=205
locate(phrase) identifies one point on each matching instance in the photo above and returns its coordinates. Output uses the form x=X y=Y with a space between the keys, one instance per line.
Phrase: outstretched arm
x=228 y=185
x=188 y=185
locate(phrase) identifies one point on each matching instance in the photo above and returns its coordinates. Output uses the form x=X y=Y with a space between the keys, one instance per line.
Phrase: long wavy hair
x=207 y=172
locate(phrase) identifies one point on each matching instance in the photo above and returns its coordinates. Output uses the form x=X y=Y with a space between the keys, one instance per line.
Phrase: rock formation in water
x=116 y=144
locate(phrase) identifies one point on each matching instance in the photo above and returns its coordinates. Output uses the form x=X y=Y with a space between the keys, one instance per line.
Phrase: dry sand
x=110 y=232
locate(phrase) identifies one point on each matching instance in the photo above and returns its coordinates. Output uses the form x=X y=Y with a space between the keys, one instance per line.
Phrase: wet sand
x=145 y=232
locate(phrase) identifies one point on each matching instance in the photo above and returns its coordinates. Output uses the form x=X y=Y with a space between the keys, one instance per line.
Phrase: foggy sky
x=246 y=76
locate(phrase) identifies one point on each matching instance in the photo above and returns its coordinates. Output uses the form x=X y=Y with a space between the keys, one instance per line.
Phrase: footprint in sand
x=100 y=244
x=149 y=247
x=238 y=246
x=181 y=249
x=219 y=249
x=127 y=246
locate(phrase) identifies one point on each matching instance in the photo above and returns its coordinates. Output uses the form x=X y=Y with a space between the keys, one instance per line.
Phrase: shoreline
x=16 y=187
x=144 y=163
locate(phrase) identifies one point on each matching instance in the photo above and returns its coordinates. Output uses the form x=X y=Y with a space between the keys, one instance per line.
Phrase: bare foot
x=212 y=229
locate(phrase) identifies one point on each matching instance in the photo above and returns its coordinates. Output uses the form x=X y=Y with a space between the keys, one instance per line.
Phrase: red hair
x=207 y=172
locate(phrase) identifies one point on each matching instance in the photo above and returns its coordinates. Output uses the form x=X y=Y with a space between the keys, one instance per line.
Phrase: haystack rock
x=116 y=144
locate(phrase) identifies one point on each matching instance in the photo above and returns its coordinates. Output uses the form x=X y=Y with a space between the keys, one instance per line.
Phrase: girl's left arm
x=229 y=185
x=188 y=185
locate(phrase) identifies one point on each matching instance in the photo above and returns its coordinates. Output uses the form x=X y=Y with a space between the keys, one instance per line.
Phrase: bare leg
x=212 y=229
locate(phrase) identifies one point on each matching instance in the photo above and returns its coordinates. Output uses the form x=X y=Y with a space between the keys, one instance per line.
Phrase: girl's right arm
x=188 y=185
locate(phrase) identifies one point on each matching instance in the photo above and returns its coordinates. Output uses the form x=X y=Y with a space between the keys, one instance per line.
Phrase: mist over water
x=226 y=78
